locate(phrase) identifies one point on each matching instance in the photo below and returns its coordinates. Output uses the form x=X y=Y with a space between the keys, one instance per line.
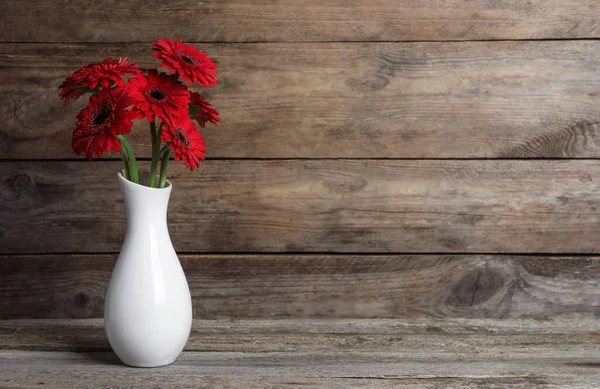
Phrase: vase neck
x=145 y=204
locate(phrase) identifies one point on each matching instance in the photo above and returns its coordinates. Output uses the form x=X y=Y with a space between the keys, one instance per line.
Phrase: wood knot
x=81 y=300
x=20 y=182
x=15 y=188
x=585 y=178
x=83 y=305
x=370 y=83
x=575 y=140
x=476 y=287
x=345 y=186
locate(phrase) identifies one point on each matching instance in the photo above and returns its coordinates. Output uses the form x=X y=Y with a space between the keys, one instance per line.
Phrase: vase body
x=148 y=307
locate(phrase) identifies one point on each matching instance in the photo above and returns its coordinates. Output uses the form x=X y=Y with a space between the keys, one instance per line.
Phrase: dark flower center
x=158 y=94
x=102 y=116
x=183 y=137
x=188 y=59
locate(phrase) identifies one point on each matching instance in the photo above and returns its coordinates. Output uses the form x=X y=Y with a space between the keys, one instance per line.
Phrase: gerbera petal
x=192 y=65
x=105 y=116
x=184 y=139
x=92 y=75
x=202 y=111
x=158 y=94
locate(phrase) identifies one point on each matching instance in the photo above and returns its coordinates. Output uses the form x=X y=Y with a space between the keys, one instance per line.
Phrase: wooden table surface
x=368 y=353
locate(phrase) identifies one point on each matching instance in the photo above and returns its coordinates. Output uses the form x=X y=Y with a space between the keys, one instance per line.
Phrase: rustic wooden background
x=376 y=158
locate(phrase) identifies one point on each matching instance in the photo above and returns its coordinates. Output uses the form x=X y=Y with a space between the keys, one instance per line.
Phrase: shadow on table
x=102 y=357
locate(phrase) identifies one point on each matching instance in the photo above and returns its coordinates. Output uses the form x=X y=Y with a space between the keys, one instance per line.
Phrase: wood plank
x=317 y=354
x=323 y=370
x=343 y=100
x=308 y=20
x=449 y=335
x=334 y=286
x=370 y=206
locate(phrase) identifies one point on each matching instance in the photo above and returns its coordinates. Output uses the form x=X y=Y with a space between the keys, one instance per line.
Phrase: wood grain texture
x=313 y=353
x=449 y=335
x=343 y=100
x=515 y=369
x=350 y=206
x=308 y=20
x=260 y=286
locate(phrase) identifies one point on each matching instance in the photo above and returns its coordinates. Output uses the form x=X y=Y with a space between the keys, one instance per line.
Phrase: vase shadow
x=103 y=357
x=87 y=339
x=93 y=346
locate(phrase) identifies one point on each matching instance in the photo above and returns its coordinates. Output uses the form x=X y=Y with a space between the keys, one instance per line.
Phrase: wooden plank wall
x=385 y=158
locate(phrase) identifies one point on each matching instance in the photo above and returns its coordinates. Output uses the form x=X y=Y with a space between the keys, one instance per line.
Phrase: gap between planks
x=275 y=42
x=200 y=255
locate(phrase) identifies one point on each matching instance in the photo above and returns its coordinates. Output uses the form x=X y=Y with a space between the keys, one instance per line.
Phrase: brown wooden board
x=515 y=368
x=327 y=354
x=540 y=206
x=333 y=286
x=287 y=21
x=441 y=334
x=318 y=334
x=342 y=100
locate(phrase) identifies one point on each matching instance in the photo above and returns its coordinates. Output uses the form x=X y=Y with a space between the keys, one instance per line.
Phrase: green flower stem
x=164 y=148
x=125 y=163
x=131 y=157
x=155 y=154
x=163 y=168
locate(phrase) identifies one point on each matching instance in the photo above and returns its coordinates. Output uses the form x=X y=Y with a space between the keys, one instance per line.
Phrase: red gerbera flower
x=202 y=111
x=184 y=139
x=191 y=64
x=158 y=95
x=105 y=117
x=90 y=76
x=71 y=89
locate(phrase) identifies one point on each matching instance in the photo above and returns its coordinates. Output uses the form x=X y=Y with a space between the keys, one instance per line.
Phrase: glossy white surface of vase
x=148 y=307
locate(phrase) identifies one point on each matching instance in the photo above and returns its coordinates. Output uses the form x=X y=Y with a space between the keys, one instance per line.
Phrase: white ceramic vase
x=148 y=308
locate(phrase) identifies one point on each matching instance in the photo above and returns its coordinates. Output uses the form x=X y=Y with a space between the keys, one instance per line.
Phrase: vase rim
x=122 y=178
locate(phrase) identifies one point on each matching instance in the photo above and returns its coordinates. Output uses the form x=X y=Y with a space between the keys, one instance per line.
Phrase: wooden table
x=374 y=353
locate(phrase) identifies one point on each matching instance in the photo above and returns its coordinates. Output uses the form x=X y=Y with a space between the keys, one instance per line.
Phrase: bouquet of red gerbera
x=162 y=97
